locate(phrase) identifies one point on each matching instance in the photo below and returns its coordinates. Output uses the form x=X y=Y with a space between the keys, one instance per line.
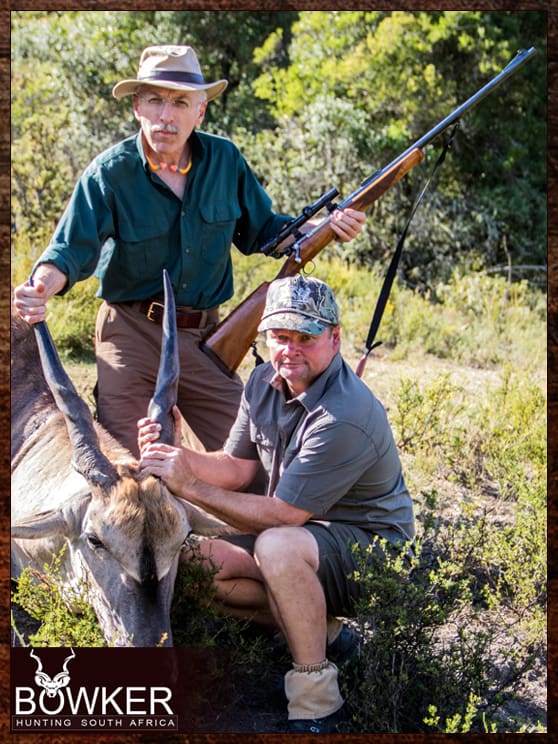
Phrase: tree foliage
x=395 y=75
x=316 y=99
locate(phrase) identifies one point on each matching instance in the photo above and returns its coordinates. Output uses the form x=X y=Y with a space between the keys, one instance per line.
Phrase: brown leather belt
x=185 y=317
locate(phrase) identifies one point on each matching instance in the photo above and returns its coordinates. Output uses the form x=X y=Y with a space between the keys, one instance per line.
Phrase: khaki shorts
x=337 y=561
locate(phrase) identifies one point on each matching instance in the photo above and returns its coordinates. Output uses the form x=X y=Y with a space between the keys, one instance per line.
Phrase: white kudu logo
x=56 y=694
x=52 y=684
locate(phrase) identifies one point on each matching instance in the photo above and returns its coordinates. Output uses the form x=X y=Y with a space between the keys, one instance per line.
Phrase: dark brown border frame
x=552 y=162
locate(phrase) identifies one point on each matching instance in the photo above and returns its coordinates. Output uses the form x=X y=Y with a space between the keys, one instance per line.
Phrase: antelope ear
x=66 y=521
x=45 y=524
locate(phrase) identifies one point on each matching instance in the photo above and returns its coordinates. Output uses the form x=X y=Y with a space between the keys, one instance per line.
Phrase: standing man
x=168 y=197
x=334 y=479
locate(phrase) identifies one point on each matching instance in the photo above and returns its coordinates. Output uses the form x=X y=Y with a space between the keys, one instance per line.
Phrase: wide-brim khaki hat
x=173 y=67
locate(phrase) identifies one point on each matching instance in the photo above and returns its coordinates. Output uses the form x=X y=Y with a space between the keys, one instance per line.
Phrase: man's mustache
x=164 y=128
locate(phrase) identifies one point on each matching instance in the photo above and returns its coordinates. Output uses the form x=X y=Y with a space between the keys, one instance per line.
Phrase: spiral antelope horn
x=166 y=390
x=88 y=459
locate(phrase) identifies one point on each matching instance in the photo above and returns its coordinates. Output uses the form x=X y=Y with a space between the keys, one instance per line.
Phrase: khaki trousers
x=127 y=347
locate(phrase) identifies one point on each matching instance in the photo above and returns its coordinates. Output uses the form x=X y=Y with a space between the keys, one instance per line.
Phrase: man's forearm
x=221 y=470
x=248 y=512
x=53 y=279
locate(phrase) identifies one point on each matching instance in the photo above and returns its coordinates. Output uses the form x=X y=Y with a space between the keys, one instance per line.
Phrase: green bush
x=495 y=448
x=64 y=620
x=433 y=660
x=72 y=320
x=404 y=657
x=476 y=319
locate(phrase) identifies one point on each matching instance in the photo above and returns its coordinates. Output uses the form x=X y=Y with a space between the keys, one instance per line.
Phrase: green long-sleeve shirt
x=125 y=225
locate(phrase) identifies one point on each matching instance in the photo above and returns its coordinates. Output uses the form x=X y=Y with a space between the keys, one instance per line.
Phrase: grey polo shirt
x=332 y=450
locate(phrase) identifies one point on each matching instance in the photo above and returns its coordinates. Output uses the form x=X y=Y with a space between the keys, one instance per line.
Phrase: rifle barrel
x=518 y=61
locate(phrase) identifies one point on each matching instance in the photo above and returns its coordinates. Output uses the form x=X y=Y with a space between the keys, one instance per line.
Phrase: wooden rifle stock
x=230 y=341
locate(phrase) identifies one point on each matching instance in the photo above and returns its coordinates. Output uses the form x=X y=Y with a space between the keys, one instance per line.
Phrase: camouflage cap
x=299 y=303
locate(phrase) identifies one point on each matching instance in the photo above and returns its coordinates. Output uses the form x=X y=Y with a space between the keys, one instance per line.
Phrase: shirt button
x=187 y=250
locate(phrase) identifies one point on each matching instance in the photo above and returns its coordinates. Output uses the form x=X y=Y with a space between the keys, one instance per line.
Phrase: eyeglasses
x=157 y=103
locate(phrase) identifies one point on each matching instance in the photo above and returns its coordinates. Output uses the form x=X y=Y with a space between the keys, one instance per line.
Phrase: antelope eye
x=93 y=541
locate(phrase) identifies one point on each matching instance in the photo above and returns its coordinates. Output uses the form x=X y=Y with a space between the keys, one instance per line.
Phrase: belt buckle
x=151 y=310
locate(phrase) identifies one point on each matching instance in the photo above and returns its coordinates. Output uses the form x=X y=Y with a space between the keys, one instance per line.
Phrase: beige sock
x=334 y=626
x=312 y=694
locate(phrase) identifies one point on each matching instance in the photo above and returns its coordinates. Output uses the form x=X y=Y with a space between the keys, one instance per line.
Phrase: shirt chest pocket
x=143 y=245
x=218 y=222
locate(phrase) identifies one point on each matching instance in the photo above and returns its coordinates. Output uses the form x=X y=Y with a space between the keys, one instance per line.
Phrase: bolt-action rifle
x=232 y=338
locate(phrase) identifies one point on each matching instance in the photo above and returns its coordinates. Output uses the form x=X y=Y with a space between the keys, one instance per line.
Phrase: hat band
x=173 y=77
